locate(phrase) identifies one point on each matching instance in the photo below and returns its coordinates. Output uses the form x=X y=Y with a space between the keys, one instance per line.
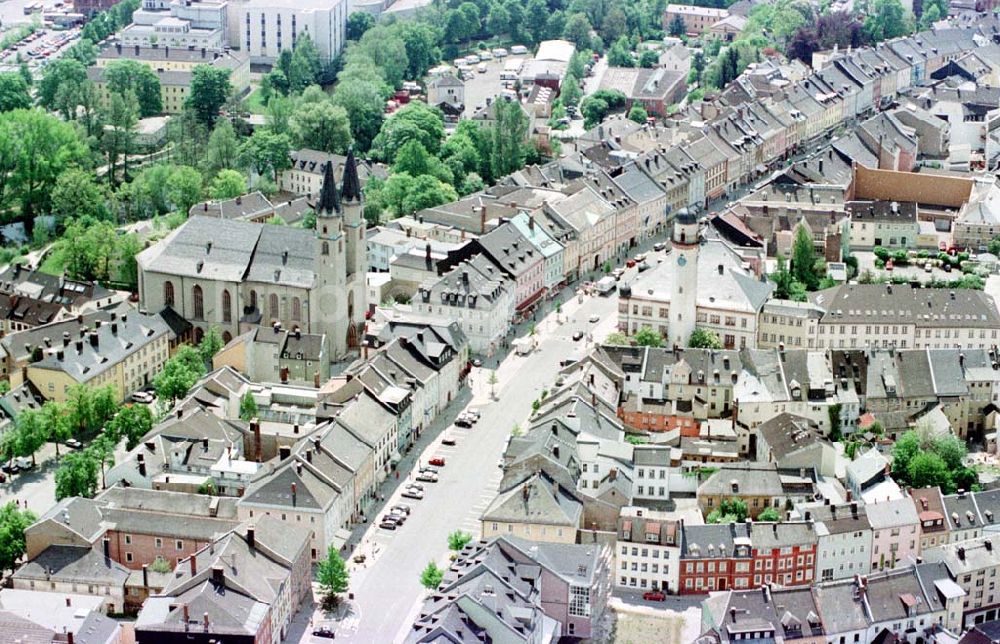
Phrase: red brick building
x=714 y=557
x=783 y=553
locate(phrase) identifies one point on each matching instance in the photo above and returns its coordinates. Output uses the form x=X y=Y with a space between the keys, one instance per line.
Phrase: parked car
x=644 y=267
x=10 y=468
x=428 y=468
x=324 y=632
x=617 y=273
x=427 y=477
x=654 y=596
x=437 y=460
x=640 y=257
x=518 y=50
x=928 y=267
x=463 y=421
x=630 y=263
x=23 y=463
x=73 y=443
x=412 y=494
x=402 y=508
x=448 y=440
x=415 y=486
x=594 y=319
x=499 y=52
x=481 y=68
x=475 y=414
x=658 y=246
x=142 y=397
x=577 y=336
x=387 y=525
x=477 y=363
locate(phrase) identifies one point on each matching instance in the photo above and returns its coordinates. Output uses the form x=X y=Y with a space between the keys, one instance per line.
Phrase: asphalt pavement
x=386 y=588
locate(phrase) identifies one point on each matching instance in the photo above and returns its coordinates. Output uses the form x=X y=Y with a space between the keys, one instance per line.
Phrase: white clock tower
x=684 y=290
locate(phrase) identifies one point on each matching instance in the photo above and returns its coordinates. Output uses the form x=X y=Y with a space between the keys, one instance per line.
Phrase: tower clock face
x=681 y=260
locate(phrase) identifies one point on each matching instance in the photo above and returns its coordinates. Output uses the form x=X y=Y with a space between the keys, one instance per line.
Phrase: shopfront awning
x=531 y=300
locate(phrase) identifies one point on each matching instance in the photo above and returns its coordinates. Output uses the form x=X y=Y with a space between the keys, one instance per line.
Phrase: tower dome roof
x=685 y=216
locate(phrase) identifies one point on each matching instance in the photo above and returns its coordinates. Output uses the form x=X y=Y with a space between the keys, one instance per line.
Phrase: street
x=387 y=590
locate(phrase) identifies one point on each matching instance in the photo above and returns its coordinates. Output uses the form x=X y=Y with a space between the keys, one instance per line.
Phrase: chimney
x=114 y=328
x=205 y=622
x=316 y=379
x=179 y=413
x=194 y=565
x=187 y=617
x=284 y=452
x=258 y=451
x=145 y=575
x=69 y=602
x=142 y=465
x=107 y=547
x=251 y=537
x=295 y=497
x=218 y=576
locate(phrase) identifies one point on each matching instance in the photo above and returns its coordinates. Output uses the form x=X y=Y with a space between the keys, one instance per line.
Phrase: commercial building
x=268 y=27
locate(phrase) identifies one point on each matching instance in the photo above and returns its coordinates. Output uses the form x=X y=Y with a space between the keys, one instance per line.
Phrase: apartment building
x=647 y=551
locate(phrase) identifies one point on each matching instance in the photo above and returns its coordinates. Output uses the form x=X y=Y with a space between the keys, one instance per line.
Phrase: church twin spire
x=350 y=191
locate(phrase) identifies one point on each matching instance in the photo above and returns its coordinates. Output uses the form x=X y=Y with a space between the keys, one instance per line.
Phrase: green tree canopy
x=638 y=113
x=704 y=339
x=13 y=522
x=13 y=92
x=332 y=575
x=432 y=576
x=458 y=540
x=227 y=185
x=77 y=476
x=209 y=91
x=321 y=126
x=124 y=75
x=248 y=407
x=647 y=337
x=179 y=374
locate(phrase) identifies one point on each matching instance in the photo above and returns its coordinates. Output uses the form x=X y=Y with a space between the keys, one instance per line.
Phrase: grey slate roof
x=73 y=564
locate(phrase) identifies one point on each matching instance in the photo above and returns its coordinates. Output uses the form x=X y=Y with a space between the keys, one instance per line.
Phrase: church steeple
x=329 y=199
x=351 y=187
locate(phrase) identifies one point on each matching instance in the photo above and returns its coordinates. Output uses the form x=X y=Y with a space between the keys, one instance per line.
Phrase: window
x=296 y=308
x=178 y=544
x=579 y=601
x=158 y=542
x=273 y=306
x=168 y=293
x=199 y=303
x=227 y=306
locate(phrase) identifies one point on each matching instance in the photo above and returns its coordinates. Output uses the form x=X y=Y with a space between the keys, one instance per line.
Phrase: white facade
x=267 y=27
x=647 y=561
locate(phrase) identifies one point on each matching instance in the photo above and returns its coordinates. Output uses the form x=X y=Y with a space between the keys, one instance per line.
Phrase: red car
x=630 y=263
x=654 y=596
x=437 y=460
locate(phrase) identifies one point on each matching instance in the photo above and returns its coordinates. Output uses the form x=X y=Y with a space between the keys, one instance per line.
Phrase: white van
x=481 y=68
x=499 y=52
x=485 y=55
x=518 y=50
x=472 y=59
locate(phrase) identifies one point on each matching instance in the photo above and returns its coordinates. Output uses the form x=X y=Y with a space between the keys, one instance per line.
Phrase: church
x=235 y=275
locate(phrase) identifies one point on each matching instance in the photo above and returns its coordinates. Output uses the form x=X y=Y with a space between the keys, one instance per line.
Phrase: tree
x=570 y=92
x=614 y=25
x=266 y=152
x=124 y=75
x=498 y=19
x=617 y=338
x=432 y=576
x=209 y=91
x=647 y=337
x=75 y=194
x=638 y=113
x=578 y=30
x=426 y=192
x=620 y=54
x=59 y=87
x=332 y=575
x=305 y=66
x=507 y=137
x=804 y=259
x=77 y=476
x=53 y=419
x=358 y=23
x=363 y=97
x=184 y=188
x=648 y=59
x=131 y=423
x=210 y=344
x=458 y=540
x=769 y=514
x=493 y=380
x=321 y=126
x=90 y=248
x=704 y=339
x=414 y=121
x=28 y=434
x=13 y=522
x=677 y=28
x=35 y=148
x=119 y=135
x=179 y=374
x=248 y=407
x=886 y=19
x=928 y=469
x=13 y=92
x=732 y=510
x=385 y=48
x=228 y=184
x=803 y=44
x=223 y=149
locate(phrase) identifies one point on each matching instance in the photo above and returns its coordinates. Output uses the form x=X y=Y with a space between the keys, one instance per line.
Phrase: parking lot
x=38 y=49
x=485 y=85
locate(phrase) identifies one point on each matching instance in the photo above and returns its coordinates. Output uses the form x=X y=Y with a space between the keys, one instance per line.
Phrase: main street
x=387 y=591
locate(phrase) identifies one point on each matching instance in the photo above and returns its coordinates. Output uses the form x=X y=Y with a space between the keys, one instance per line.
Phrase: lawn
x=646 y=625
x=55 y=260
x=254 y=103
